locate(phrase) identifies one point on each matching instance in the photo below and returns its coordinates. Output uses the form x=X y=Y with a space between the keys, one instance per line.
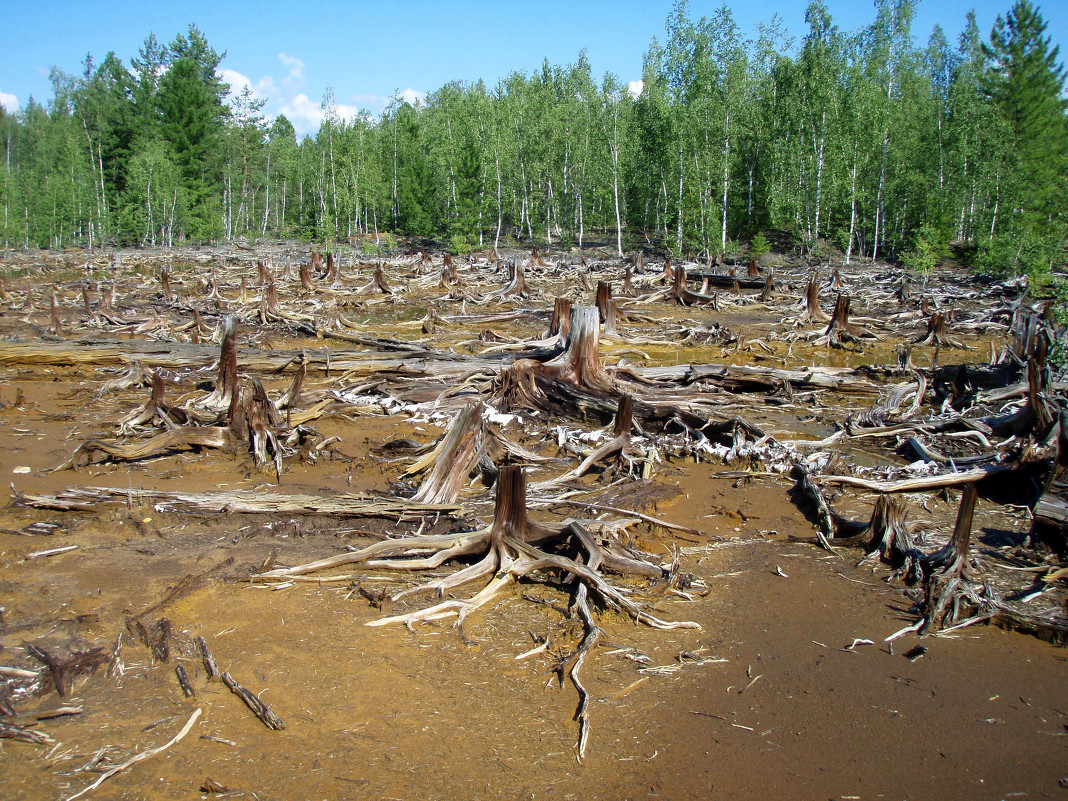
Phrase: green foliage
x=1026 y=84
x=1025 y=253
x=759 y=245
x=191 y=123
x=1056 y=291
x=857 y=139
x=459 y=246
x=929 y=250
x=387 y=244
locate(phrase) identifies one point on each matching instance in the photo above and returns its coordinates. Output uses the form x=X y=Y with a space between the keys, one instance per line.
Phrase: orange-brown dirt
x=764 y=701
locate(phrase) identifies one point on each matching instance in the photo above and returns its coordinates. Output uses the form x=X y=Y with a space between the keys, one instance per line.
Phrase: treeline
x=863 y=141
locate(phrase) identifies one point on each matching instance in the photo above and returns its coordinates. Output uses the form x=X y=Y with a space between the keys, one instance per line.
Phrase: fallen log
x=234 y=502
x=925 y=482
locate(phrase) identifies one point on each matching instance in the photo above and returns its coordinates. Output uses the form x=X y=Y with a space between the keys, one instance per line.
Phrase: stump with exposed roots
x=936 y=333
x=813 y=312
x=952 y=592
x=889 y=538
x=511 y=549
x=839 y=329
x=566 y=380
x=684 y=296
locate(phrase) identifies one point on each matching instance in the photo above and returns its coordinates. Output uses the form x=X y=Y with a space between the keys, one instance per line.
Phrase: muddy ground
x=769 y=698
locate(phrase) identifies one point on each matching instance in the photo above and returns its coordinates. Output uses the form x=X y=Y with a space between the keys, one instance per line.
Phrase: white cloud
x=236 y=80
x=346 y=112
x=635 y=88
x=411 y=96
x=295 y=79
x=9 y=102
x=295 y=65
x=285 y=96
x=307 y=115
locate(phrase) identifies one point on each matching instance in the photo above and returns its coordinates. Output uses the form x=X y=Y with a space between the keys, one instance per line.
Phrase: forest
x=864 y=142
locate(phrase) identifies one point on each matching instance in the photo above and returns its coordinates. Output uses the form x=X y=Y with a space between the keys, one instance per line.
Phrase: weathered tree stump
x=951 y=591
x=306 y=277
x=453 y=459
x=813 y=312
x=840 y=329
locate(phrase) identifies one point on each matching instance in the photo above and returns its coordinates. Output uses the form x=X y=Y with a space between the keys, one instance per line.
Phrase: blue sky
x=290 y=53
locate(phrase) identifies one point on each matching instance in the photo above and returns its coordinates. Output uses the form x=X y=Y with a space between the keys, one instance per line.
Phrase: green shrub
x=929 y=250
x=759 y=245
x=1025 y=253
x=387 y=242
x=459 y=246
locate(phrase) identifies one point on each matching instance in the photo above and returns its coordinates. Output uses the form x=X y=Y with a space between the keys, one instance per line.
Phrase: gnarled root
x=156 y=407
x=830 y=524
x=575 y=372
x=513 y=548
x=175 y=439
x=889 y=538
x=954 y=589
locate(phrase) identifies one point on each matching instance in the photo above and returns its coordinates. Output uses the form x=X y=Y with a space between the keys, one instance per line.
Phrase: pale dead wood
x=453 y=458
x=235 y=502
x=925 y=482
x=141 y=757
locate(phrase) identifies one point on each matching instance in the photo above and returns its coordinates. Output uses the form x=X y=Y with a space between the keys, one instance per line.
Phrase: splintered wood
x=423 y=394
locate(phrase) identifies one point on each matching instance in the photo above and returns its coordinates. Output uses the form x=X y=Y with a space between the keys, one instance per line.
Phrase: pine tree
x=1026 y=83
x=191 y=123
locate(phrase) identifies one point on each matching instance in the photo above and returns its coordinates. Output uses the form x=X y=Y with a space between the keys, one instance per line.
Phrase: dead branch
x=266 y=715
x=141 y=757
x=235 y=502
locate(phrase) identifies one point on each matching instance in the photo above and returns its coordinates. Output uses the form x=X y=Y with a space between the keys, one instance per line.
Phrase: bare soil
x=767 y=699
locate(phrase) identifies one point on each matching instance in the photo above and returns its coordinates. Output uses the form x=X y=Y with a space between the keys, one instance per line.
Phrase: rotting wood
x=23 y=734
x=924 y=482
x=63 y=672
x=235 y=502
x=801 y=393
x=453 y=458
x=266 y=715
x=813 y=312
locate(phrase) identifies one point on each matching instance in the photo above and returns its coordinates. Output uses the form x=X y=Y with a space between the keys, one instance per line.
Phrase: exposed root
x=889 y=538
x=813 y=313
x=686 y=297
x=175 y=439
x=887 y=410
x=513 y=548
x=839 y=329
x=954 y=589
x=157 y=407
x=936 y=333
